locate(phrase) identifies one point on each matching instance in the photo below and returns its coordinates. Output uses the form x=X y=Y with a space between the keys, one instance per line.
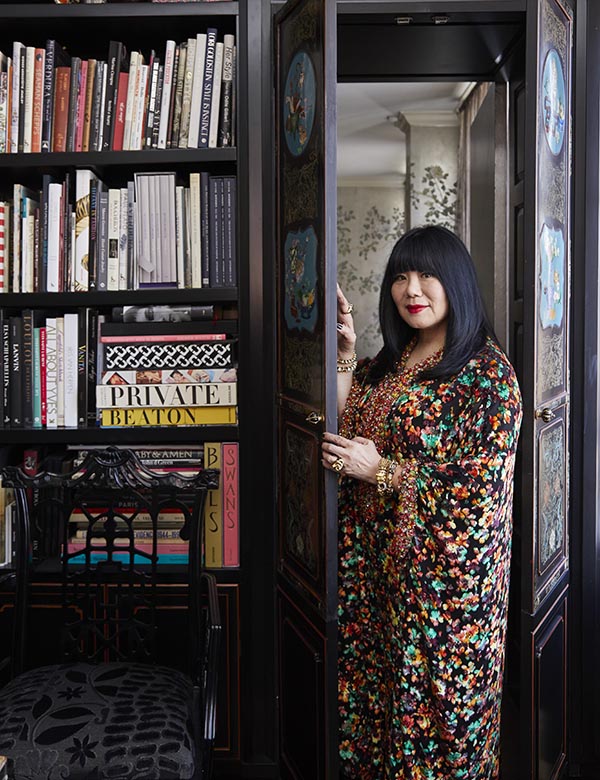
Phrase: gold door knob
x=544 y=414
x=314 y=418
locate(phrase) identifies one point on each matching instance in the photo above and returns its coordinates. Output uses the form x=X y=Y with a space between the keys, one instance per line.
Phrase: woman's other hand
x=360 y=457
x=346 y=337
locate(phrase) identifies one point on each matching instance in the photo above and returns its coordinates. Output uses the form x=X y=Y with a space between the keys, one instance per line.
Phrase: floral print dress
x=424 y=574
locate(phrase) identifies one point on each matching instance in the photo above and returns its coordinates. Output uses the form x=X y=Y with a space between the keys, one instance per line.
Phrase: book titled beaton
x=168 y=416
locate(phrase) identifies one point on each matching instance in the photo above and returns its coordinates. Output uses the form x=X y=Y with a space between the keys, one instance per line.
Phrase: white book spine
x=165 y=100
x=114 y=233
x=51 y=374
x=137 y=132
x=123 y=242
x=16 y=84
x=70 y=349
x=213 y=132
x=195 y=240
x=83 y=179
x=197 y=85
x=129 y=105
x=60 y=372
x=54 y=214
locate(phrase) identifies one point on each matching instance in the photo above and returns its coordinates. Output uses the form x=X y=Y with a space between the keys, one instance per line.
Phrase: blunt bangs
x=416 y=252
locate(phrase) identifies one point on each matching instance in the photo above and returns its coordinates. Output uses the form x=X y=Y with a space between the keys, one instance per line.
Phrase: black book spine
x=27 y=366
x=22 y=98
x=116 y=56
x=172 y=96
x=152 y=90
x=91 y=357
x=93 y=234
x=96 y=108
x=209 y=69
x=16 y=372
x=47 y=106
x=5 y=388
x=230 y=220
x=214 y=232
x=3 y=367
x=67 y=269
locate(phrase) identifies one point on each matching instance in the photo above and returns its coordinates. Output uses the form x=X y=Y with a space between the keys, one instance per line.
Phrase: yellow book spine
x=213 y=510
x=170 y=415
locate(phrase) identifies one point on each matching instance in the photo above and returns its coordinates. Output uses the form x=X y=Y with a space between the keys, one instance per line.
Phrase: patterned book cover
x=168 y=355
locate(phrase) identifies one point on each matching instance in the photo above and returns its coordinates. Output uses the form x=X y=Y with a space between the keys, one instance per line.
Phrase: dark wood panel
x=302 y=687
x=550 y=681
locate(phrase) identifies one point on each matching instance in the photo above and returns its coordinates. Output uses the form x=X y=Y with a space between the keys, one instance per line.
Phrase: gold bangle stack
x=347 y=364
x=384 y=476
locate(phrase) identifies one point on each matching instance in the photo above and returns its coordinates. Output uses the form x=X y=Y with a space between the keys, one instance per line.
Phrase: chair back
x=109 y=570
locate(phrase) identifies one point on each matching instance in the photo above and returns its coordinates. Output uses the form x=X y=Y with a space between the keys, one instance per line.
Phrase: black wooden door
x=540 y=241
x=306 y=385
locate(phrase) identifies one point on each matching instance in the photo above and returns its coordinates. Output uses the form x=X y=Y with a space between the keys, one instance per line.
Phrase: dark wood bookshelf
x=42 y=160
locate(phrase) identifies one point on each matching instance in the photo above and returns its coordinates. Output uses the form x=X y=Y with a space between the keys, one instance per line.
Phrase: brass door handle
x=314 y=418
x=544 y=414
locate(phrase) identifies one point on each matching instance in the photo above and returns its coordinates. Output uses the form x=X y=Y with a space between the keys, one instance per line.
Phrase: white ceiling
x=370 y=148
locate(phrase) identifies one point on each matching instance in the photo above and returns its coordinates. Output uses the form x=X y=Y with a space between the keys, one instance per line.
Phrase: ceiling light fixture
x=403 y=19
x=440 y=19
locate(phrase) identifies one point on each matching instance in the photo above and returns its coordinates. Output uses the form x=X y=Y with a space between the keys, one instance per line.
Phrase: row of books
x=153 y=232
x=183 y=98
x=221 y=514
x=80 y=370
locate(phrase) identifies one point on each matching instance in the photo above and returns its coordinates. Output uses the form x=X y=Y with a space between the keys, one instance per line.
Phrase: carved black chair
x=108 y=710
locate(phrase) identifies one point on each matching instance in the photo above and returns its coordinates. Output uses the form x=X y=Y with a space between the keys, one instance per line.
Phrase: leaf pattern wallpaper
x=369 y=222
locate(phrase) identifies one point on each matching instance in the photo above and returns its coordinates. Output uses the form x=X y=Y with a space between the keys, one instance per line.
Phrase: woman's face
x=421 y=301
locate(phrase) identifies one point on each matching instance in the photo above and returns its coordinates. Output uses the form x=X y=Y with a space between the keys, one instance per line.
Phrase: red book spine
x=3 y=248
x=120 y=114
x=43 y=385
x=163 y=337
x=231 y=513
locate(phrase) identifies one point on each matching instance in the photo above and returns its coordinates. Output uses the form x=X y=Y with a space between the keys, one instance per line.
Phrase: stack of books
x=183 y=97
x=166 y=373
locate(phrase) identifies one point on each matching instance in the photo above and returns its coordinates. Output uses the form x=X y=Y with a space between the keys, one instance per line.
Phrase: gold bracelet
x=347 y=364
x=384 y=476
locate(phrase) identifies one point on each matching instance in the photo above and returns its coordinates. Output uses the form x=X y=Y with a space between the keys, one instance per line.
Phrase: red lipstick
x=415 y=308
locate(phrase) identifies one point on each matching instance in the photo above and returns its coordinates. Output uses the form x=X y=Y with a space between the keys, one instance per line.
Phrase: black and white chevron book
x=168 y=355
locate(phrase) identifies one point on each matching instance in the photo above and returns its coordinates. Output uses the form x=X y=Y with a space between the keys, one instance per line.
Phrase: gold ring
x=350 y=308
x=338 y=464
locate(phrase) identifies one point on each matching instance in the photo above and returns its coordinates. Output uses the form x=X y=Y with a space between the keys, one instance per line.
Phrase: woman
x=426 y=450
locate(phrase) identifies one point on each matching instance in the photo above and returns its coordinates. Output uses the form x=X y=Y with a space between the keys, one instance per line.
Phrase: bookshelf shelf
x=41 y=161
x=119 y=298
x=124 y=435
x=39 y=12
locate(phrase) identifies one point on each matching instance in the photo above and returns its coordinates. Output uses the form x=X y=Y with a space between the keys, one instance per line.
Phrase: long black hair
x=433 y=249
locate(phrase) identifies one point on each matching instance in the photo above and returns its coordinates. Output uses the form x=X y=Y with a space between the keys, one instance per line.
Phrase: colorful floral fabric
x=424 y=574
